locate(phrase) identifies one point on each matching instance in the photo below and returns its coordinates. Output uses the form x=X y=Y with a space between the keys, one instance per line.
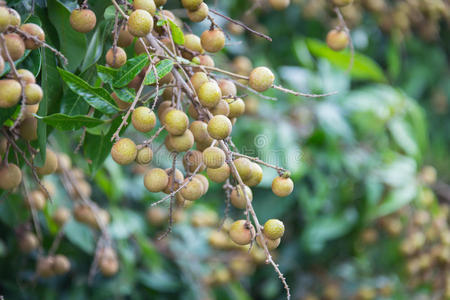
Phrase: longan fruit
x=242 y=65
x=176 y=122
x=139 y=46
x=213 y=40
x=124 y=151
x=282 y=187
x=256 y=175
x=220 y=174
x=219 y=127
x=147 y=5
x=140 y=23
x=14 y=17
x=191 y=4
x=279 y=4
x=222 y=108
x=10 y=93
x=4 y=18
x=156 y=216
x=33 y=30
x=36 y=199
x=261 y=79
x=125 y=38
x=200 y=131
x=119 y=60
x=238 y=198
x=242 y=233
x=83 y=20
x=209 y=94
x=218 y=240
x=156 y=180
x=198 y=79
x=193 y=190
x=337 y=40
x=204 y=181
x=50 y=164
x=162 y=107
x=109 y=266
x=64 y=162
x=271 y=244
x=341 y=3
x=15 y=46
x=244 y=167
x=61 y=216
x=235 y=29
x=28 y=242
x=227 y=87
x=199 y=14
x=213 y=157
x=33 y=93
x=160 y=2
x=273 y=229
x=192 y=160
x=61 y=264
x=44 y=267
x=193 y=43
x=28 y=128
x=144 y=156
x=143 y=119
x=204 y=60
x=237 y=107
x=182 y=143
x=179 y=178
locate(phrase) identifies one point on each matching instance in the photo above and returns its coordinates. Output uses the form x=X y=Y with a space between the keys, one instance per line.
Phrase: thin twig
x=261 y=162
x=295 y=93
x=347 y=31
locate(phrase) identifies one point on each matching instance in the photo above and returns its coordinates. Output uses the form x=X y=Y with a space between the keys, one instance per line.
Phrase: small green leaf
x=162 y=68
x=130 y=70
x=161 y=22
x=177 y=33
x=106 y=74
x=7 y=113
x=110 y=13
x=65 y=122
x=125 y=94
x=80 y=235
x=96 y=97
x=95 y=48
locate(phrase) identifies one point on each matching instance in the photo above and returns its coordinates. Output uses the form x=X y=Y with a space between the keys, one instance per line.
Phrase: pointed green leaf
x=106 y=74
x=177 y=33
x=95 y=48
x=130 y=70
x=65 y=122
x=162 y=68
x=125 y=94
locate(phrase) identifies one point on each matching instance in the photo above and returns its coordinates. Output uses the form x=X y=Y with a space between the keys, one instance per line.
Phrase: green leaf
x=7 y=113
x=95 y=48
x=80 y=235
x=130 y=70
x=110 y=13
x=162 y=68
x=125 y=94
x=72 y=43
x=65 y=122
x=106 y=74
x=16 y=63
x=177 y=33
x=96 y=97
x=364 y=67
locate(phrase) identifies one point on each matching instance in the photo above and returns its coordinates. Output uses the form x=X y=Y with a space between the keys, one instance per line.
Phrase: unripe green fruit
x=273 y=229
x=204 y=181
x=147 y=5
x=10 y=176
x=140 y=23
x=191 y=4
x=237 y=107
x=282 y=187
x=244 y=167
x=33 y=30
x=124 y=151
x=139 y=46
x=261 y=79
x=50 y=165
x=179 y=178
x=337 y=40
x=10 y=92
x=213 y=157
x=28 y=242
x=4 y=18
x=342 y=2
x=120 y=104
x=160 y=2
x=227 y=87
x=61 y=264
x=200 y=131
x=44 y=267
x=242 y=233
x=15 y=46
x=193 y=190
x=198 y=79
x=219 y=127
x=33 y=94
x=279 y=4
x=36 y=200
x=192 y=160
x=209 y=94
x=119 y=60
x=83 y=20
x=156 y=180
x=143 y=119
x=219 y=175
x=238 y=198
x=271 y=244
x=193 y=43
x=256 y=175
x=61 y=216
x=144 y=156
x=213 y=40
x=182 y=143
x=176 y=122
x=26 y=75
x=199 y=14
x=125 y=38
x=222 y=108
x=28 y=129
x=14 y=17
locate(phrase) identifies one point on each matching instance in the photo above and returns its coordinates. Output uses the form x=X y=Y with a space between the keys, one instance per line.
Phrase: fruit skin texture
x=15 y=46
x=213 y=157
x=199 y=14
x=36 y=200
x=219 y=175
x=156 y=180
x=192 y=42
x=273 y=229
x=241 y=233
x=342 y=2
x=209 y=94
x=192 y=160
x=124 y=151
x=33 y=94
x=50 y=165
x=337 y=40
x=10 y=92
x=271 y=244
x=213 y=40
x=14 y=17
x=282 y=187
x=261 y=79
x=219 y=127
x=244 y=167
x=27 y=76
x=237 y=107
x=179 y=178
x=10 y=176
x=125 y=38
x=256 y=175
x=34 y=30
x=191 y=4
x=4 y=18
x=222 y=108
x=279 y=4
x=144 y=156
x=227 y=87
x=238 y=198
x=83 y=20
x=143 y=119
x=176 y=122
x=28 y=129
x=147 y=5
x=182 y=143
x=193 y=190
x=198 y=79
x=119 y=60
x=140 y=23
x=200 y=131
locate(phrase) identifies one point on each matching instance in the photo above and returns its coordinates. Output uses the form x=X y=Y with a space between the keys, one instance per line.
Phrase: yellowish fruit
x=144 y=156
x=219 y=127
x=198 y=79
x=179 y=178
x=44 y=267
x=14 y=17
x=238 y=199
x=176 y=122
x=192 y=190
x=237 y=107
x=193 y=43
x=147 y=5
x=213 y=40
x=282 y=187
x=33 y=30
x=242 y=232
x=271 y=244
x=61 y=264
x=256 y=175
x=10 y=93
x=273 y=229
x=61 y=216
x=242 y=65
x=199 y=14
x=140 y=23
x=28 y=128
x=125 y=38
x=191 y=4
x=15 y=46
x=50 y=164
x=279 y=4
x=337 y=40
x=222 y=108
x=209 y=94
x=64 y=162
x=109 y=266
x=143 y=119
x=182 y=143
x=219 y=175
x=124 y=151
x=28 y=242
x=192 y=160
x=156 y=216
x=156 y=180
x=244 y=167
x=83 y=20
x=200 y=131
x=4 y=18
x=33 y=94
x=218 y=240
x=160 y=2
x=261 y=79
x=342 y=2
x=36 y=200
x=227 y=87
x=204 y=181
x=27 y=76
x=213 y=157
x=117 y=59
